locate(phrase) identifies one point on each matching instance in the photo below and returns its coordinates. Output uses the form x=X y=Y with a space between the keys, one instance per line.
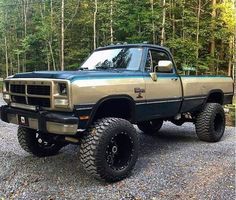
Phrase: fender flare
x=108 y=98
x=212 y=92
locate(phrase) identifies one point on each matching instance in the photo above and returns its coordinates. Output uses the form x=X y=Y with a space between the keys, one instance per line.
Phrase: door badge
x=139 y=91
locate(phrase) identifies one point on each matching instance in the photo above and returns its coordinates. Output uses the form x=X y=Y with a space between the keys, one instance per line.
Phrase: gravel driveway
x=172 y=165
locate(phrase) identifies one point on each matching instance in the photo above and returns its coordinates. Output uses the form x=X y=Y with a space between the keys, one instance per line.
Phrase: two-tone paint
x=169 y=95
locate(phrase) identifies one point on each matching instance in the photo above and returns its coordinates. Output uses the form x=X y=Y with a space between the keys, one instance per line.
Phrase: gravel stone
x=172 y=165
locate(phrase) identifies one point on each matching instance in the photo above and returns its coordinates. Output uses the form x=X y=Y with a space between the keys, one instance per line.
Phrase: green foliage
x=132 y=21
x=184 y=50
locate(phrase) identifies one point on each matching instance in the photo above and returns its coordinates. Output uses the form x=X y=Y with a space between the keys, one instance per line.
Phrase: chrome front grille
x=36 y=93
x=39 y=90
x=18 y=89
x=18 y=99
x=31 y=93
x=37 y=101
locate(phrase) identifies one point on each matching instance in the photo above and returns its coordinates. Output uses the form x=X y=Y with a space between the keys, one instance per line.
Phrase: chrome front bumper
x=45 y=121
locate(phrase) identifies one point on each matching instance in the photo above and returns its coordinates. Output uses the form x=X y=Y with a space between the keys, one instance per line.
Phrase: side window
x=153 y=58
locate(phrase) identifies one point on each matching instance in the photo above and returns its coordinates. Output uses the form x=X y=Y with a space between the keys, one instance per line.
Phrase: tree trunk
x=42 y=10
x=173 y=19
x=183 y=21
x=51 y=36
x=231 y=42
x=217 y=65
x=48 y=61
x=11 y=67
x=62 y=35
x=25 y=16
x=139 y=26
x=212 y=50
x=111 y=25
x=52 y=55
x=163 y=23
x=25 y=29
x=6 y=57
x=234 y=56
x=198 y=32
x=234 y=51
x=51 y=13
x=18 y=62
x=95 y=24
x=153 y=22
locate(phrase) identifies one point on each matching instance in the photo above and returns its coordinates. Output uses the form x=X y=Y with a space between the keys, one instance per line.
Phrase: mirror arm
x=153 y=76
x=155 y=69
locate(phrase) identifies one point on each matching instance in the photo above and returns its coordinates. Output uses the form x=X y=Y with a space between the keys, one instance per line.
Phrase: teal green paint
x=117 y=77
x=142 y=76
x=99 y=78
x=203 y=76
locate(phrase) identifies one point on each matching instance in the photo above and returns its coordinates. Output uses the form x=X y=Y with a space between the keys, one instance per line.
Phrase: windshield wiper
x=83 y=68
x=104 y=67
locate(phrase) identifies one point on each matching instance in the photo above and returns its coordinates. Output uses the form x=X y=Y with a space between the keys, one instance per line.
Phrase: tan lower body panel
x=52 y=127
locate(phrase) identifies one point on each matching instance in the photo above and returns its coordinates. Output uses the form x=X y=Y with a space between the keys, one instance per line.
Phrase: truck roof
x=113 y=46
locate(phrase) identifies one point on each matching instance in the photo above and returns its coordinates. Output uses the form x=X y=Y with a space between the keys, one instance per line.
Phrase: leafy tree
x=200 y=33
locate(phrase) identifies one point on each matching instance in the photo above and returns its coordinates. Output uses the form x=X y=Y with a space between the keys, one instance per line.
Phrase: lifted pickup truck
x=96 y=106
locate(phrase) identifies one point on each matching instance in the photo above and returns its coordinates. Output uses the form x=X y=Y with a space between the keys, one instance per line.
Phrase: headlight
x=5 y=86
x=61 y=102
x=6 y=96
x=62 y=88
x=61 y=92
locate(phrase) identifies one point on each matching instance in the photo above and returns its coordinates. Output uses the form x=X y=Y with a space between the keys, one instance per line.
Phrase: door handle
x=174 y=79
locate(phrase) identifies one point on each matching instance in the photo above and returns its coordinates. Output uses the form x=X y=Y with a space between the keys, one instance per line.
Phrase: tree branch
x=75 y=13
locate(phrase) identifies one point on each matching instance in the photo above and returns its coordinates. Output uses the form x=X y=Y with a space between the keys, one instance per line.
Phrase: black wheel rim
x=218 y=124
x=119 y=151
x=152 y=124
x=43 y=142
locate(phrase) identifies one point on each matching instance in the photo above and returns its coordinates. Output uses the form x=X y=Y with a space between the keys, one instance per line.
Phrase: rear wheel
x=150 y=127
x=36 y=143
x=109 y=150
x=210 y=123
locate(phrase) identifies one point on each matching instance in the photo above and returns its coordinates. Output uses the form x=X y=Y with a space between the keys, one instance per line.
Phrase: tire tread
x=204 y=122
x=89 y=154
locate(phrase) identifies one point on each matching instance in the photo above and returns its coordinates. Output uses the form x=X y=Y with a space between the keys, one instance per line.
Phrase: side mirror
x=165 y=66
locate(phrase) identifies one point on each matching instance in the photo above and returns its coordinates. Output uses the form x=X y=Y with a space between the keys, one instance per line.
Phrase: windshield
x=120 y=58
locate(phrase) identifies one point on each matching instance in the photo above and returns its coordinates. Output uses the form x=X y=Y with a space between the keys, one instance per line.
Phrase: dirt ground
x=171 y=165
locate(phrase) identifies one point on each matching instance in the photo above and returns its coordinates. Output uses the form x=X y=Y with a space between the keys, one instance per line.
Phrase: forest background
x=60 y=34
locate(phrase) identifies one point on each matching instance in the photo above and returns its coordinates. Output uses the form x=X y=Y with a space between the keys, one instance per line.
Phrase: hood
x=77 y=75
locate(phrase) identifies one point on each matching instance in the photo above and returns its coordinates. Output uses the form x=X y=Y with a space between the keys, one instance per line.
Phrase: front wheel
x=109 y=150
x=210 y=123
x=36 y=143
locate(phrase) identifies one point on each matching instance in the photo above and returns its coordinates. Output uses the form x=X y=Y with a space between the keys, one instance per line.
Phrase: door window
x=153 y=58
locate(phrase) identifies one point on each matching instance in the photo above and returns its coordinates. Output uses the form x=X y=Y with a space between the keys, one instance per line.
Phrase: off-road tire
x=150 y=127
x=96 y=142
x=29 y=142
x=210 y=123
